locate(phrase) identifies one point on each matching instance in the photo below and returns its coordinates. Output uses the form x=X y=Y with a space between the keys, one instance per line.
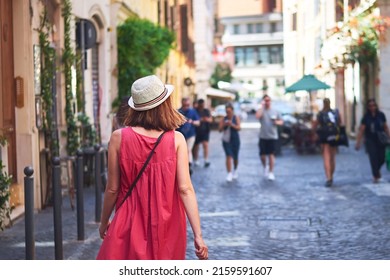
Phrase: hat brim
x=169 y=88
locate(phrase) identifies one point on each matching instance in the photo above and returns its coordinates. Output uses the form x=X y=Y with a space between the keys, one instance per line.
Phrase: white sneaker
x=235 y=174
x=229 y=177
x=197 y=163
x=271 y=176
x=266 y=172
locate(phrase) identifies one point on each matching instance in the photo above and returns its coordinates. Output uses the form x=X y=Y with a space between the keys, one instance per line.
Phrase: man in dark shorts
x=202 y=133
x=269 y=120
x=188 y=128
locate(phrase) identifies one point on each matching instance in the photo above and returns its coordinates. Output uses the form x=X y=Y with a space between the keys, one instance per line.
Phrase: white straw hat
x=148 y=92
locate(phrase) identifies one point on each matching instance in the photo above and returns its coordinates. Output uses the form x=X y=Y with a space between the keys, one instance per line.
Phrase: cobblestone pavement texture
x=294 y=217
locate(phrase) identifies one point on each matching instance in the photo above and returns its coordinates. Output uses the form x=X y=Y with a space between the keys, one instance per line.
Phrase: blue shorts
x=231 y=149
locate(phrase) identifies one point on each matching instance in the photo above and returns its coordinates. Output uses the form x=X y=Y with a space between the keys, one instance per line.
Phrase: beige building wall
x=229 y=8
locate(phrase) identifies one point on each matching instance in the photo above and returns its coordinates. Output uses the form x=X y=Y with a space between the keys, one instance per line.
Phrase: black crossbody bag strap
x=142 y=170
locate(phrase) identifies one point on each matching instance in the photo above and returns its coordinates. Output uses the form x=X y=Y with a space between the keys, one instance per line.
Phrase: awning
x=308 y=83
x=212 y=92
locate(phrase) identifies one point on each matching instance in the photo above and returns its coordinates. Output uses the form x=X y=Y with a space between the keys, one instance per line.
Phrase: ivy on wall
x=47 y=74
x=5 y=208
x=5 y=182
x=68 y=60
x=142 y=47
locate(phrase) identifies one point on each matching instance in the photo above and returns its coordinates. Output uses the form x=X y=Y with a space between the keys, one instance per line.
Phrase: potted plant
x=5 y=182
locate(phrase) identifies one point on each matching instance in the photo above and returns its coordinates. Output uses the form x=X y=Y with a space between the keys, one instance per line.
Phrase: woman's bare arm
x=187 y=194
x=112 y=187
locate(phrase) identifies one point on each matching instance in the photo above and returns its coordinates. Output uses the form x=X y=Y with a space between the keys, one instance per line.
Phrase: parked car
x=249 y=106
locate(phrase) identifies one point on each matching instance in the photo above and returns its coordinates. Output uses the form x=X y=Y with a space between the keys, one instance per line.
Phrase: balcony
x=252 y=39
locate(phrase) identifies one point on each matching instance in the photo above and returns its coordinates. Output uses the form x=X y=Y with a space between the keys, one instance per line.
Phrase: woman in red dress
x=151 y=222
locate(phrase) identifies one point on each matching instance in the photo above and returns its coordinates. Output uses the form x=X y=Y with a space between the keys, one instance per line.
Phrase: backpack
x=329 y=130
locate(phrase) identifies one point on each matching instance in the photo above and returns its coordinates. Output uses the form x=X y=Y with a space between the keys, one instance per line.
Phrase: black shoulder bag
x=142 y=170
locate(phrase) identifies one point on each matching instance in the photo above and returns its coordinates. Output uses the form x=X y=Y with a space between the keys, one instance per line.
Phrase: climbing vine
x=47 y=74
x=68 y=60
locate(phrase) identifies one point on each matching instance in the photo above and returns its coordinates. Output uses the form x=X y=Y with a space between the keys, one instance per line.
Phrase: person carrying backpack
x=327 y=128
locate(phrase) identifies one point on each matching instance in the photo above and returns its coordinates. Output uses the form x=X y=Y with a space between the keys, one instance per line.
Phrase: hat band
x=153 y=101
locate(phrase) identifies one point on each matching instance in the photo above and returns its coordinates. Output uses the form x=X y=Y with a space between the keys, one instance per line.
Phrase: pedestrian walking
x=372 y=125
x=188 y=128
x=326 y=127
x=151 y=200
x=269 y=120
x=230 y=125
x=202 y=134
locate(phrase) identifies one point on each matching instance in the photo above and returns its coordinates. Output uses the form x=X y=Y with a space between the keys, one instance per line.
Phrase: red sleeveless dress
x=151 y=223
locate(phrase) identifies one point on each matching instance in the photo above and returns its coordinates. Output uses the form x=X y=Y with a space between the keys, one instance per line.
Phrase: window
x=273 y=27
x=263 y=55
x=276 y=54
x=271 y=5
x=250 y=28
x=250 y=56
x=236 y=29
x=159 y=12
x=173 y=10
x=166 y=13
x=259 y=28
x=294 y=22
x=258 y=55
x=339 y=11
x=316 y=7
x=184 y=27
x=239 y=55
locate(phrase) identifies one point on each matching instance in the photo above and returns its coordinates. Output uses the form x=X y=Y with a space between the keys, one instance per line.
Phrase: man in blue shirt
x=188 y=128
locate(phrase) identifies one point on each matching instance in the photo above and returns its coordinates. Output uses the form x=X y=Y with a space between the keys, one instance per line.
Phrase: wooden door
x=7 y=83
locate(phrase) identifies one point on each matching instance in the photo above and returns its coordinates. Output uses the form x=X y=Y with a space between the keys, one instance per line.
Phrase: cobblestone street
x=293 y=218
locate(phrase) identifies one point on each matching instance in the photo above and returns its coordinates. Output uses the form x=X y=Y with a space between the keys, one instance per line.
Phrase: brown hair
x=163 y=117
x=326 y=102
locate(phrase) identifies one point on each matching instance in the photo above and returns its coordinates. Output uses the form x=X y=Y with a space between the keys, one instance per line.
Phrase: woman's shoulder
x=116 y=137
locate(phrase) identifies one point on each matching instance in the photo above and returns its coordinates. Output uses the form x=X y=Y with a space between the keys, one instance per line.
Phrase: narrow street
x=293 y=218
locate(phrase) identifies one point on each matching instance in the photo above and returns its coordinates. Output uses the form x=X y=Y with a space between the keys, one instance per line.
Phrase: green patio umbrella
x=308 y=83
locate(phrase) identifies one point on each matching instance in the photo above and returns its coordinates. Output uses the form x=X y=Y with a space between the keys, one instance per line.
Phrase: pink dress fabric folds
x=151 y=223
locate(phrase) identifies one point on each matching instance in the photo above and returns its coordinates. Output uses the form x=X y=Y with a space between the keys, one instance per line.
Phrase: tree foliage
x=222 y=72
x=142 y=47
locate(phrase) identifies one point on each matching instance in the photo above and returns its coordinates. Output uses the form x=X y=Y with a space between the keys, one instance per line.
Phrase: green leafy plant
x=142 y=47
x=68 y=60
x=222 y=72
x=5 y=182
x=3 y=140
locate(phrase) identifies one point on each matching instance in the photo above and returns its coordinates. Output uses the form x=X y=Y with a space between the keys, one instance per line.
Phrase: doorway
x=7 y=85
